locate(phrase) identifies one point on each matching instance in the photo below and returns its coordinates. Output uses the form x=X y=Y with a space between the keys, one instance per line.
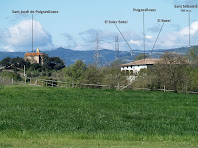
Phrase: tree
x=75 y=72
x=18 y=63
x=193 y=70
x=113 y=75
x=193 y=54
x=36 y=66
x=11 y=75
x=171 y=71
x=141 y=56
x=193 y=79
x=92 y=75
x=116 y=63
x=15 y=63
x=6 y=62
x=51 y=63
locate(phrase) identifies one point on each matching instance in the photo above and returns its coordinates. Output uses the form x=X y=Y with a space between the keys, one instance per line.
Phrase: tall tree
x=74 y=73
x=113 y=75
x=171 y=71
x=193 y=53
x=51 y=63
x=18 y=63
x=6 y=62
x=92 y=75
x=193 y=70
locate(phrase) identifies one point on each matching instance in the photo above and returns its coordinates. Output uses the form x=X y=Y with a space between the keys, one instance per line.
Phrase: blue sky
x=76 y=24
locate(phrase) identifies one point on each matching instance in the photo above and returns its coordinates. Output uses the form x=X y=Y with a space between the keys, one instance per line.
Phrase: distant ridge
x=70 y=56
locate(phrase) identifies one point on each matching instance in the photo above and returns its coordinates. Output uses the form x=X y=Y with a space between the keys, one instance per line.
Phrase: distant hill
x=107 y=56
x=11 y=54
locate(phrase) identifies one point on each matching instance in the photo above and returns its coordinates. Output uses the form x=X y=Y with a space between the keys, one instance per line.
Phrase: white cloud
x=87 y=39
x=193 y=29
x=167 y=40
x=135 y=42
x=107 y=39
x=176 y=37
x=148 y=37
x=90 y=35
x=19 y=37
x=68 y=41
x=180 y=38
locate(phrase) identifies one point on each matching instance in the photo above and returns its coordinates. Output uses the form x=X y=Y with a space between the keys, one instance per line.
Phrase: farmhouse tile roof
x=33 y=54
x=148 y=61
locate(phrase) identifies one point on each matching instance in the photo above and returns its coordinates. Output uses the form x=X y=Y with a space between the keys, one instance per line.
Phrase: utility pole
x=97 y=55
x=32 y=34
x=144 y=34
x=25 y=75
x=24 y=71
x=116 y=48
x=189 y=27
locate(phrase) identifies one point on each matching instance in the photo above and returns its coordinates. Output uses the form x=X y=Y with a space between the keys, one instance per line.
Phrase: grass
x=60 y=117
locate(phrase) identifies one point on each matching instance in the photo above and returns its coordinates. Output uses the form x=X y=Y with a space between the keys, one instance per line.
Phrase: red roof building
x=34 y=57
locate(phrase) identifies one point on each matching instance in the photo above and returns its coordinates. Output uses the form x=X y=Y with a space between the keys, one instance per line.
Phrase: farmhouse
x=34 y=57
x=136 y=66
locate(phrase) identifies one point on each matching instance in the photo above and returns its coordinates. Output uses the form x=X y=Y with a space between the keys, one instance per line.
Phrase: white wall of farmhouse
x=134 y=68
x=137 y=65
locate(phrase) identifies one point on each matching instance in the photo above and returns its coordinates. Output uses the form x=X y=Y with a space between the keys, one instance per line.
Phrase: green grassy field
x=60 y=117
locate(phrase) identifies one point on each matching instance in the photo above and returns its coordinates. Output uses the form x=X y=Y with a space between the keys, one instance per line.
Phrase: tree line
x=174 y=71
x=80 y=73
x=17 y=64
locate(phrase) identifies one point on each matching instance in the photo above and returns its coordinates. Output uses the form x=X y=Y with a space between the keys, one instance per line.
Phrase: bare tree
x=172 y=71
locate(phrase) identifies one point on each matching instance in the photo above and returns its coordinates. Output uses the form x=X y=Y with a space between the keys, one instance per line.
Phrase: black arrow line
x=124 y=38
x=157 y=38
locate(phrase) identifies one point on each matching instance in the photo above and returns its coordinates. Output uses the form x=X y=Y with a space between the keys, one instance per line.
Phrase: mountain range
x=106 y=56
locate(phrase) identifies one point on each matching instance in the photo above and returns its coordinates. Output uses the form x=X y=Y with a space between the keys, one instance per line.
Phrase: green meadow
x=48 y=117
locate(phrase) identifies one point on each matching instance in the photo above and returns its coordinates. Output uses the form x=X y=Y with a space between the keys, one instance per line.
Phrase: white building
x=136 y=66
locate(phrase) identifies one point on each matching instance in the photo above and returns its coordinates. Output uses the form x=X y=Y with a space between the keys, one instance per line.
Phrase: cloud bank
x=19 y=37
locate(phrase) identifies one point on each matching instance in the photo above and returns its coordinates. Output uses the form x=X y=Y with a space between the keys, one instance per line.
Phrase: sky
x=78 y=21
